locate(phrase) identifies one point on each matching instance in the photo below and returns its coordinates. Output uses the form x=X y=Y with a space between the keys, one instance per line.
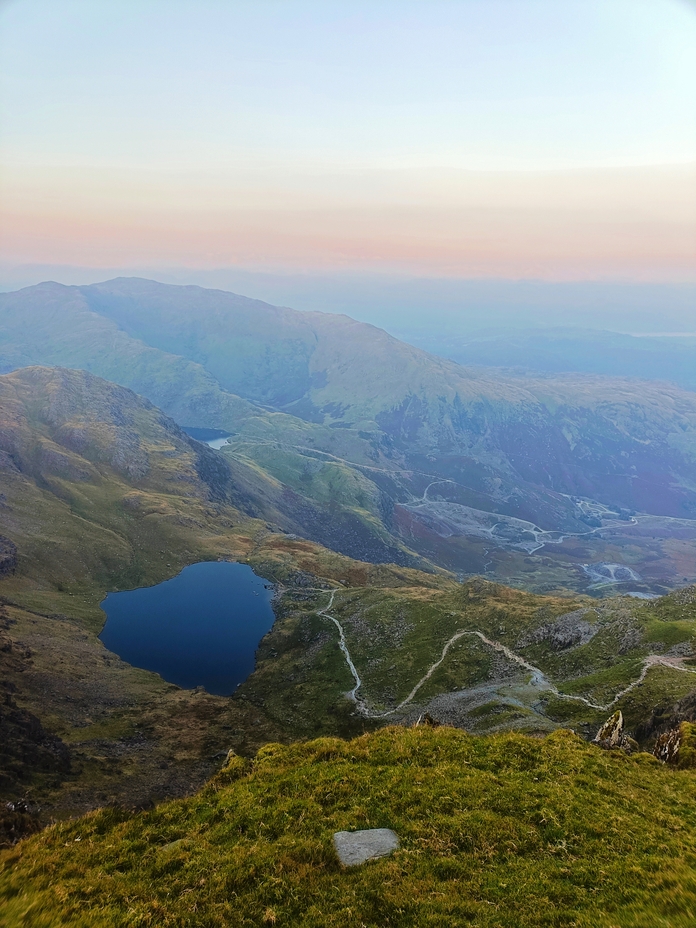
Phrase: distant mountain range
x=565 y=349
x=472 y=468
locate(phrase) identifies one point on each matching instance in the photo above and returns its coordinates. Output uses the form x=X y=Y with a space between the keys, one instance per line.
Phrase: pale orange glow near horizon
x=487 y=138
x=637 y=223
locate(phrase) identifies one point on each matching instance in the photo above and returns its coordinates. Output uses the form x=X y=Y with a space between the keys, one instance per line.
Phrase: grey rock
x=567 y=631
x=612 y=735
x=632 y=637
x=681 y=649
x=356 y=847
x=685 y=596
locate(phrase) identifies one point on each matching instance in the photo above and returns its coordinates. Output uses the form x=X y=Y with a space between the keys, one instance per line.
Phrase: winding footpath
x=542 y=537
x=539 y=678
x=344 y=647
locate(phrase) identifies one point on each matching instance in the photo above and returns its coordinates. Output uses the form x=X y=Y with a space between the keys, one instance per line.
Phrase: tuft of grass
x=504 y=831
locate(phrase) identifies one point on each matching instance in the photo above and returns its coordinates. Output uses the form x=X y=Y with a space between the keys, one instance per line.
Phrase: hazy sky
x=481 y=138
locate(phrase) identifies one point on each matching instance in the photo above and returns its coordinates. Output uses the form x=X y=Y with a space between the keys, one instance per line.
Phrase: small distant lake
x=214 y=438
x=201 y=628
x=217 y=443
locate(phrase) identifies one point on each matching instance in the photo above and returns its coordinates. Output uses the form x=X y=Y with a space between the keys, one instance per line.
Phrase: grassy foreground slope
x=504 y=831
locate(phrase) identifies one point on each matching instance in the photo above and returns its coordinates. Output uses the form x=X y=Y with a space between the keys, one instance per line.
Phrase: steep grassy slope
x=502 y=832
x=95 y=480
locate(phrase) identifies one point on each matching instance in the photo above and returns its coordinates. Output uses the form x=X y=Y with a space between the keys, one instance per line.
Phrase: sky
x=498 y=139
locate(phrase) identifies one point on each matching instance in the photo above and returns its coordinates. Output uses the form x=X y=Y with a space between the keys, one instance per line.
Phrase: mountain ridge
x=387 y=420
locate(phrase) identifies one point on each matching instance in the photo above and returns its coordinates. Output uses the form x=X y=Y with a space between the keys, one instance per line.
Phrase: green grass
x=505 y=831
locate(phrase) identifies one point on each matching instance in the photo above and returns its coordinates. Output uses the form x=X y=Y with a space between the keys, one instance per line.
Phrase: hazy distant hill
x=494 y=446
x=575 y=434
x=54 y=325
x=559 y=350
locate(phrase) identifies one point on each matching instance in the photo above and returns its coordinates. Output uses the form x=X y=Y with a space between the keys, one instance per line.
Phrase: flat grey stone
x=355 y=847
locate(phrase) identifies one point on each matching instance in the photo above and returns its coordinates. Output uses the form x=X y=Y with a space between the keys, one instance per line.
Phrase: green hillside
x=505 y=831
x=526 y=825
x=526 y=478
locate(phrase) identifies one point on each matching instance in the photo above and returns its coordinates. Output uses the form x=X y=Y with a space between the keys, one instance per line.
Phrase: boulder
x=356 y=847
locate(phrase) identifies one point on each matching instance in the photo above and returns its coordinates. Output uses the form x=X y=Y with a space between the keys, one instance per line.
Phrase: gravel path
x=539 y=678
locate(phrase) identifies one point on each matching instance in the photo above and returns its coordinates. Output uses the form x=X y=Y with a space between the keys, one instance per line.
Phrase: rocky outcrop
x=611 y=736
x=567 y=631
x=685 y=596
x=667 y=746
x=665 y=718
x=677 y=747
x=8 y=556
x=17 y=821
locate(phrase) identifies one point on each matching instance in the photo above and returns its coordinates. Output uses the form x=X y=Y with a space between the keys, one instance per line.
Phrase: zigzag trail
x=538 y=676
x=344 y=647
